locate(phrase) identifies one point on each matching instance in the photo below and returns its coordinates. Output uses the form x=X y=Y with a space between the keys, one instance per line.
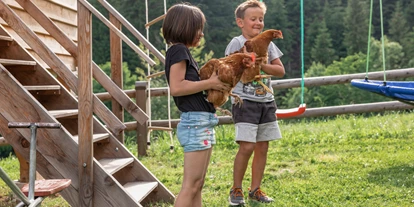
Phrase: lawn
x=340 y=161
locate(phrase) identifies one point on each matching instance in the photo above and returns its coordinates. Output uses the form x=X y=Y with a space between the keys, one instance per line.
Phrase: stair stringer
x=136 y=172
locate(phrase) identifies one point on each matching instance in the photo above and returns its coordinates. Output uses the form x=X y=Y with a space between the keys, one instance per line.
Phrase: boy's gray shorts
x=256 y=121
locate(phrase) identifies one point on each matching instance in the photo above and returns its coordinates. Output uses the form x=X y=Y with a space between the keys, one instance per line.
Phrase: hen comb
x=253 y=57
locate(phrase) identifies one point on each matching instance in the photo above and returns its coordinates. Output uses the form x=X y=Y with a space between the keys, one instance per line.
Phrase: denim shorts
x=195 y=131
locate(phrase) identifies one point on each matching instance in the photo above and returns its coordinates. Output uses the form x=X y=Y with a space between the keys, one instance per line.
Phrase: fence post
x=141 y=100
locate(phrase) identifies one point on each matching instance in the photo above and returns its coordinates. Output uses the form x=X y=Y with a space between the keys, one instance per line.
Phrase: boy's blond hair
x=241 y=9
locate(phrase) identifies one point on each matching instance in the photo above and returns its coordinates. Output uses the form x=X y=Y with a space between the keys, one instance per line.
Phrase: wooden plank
x=99 y=74
x=119 y=33
x=6 y=38
x=70 y=4
x=337 y=79
x=64 y=113
x=140 y=190
x=160 y=128
x=52 y=10
x=57 y=65
x=133 y=30
x=68 y=29
x=7 y=62
x=95 y=138
x=116 y=70
x=142 y=129
x=113 y=165
x=46 y=39
x=48 y=187
x=85 y=99
x=43 y=88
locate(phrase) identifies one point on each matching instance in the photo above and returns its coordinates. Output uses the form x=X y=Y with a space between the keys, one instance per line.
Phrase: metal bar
x=37 y=124
x=13 y=187
x=32 y=162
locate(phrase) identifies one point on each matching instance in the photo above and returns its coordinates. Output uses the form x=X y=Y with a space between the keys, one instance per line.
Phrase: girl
x=183 y=28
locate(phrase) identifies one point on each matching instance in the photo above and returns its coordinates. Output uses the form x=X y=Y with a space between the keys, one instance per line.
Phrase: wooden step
x=6 y=38
x=113 y=165
x=47 y=187
x=5 y=41
x=64 y=113
x=139 y=190
x=44 y=90
x=9 y=62
x=95 y=138
x=3 y=141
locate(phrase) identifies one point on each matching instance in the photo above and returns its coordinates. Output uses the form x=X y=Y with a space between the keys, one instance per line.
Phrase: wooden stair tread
x=47 y=187
x=17 y=62
x=6 y=38
x=160 y=128
x=113 y=165
x=43 y=88
x=95 y=138
x=63 y=113
x=139 y=190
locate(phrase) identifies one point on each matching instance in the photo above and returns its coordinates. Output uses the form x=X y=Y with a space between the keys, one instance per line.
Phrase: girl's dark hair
x=182 y=23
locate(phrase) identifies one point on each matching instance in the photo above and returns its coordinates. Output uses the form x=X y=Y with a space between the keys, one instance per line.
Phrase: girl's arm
x=181 y=87
x=275 y=68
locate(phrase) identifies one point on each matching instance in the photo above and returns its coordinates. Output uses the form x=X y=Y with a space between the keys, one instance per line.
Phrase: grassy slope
x=346 y=161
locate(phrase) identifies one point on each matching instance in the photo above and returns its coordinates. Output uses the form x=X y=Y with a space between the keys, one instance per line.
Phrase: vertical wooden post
x=85 y=94
x=24 y=168
x=116 y=70
x=142 y=129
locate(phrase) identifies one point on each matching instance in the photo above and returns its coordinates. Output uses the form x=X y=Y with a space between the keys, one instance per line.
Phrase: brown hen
x=229 y=70
x=259 y=45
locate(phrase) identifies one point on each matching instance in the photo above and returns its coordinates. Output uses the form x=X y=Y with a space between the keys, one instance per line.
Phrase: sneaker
x=236 y=197
x=259 y=195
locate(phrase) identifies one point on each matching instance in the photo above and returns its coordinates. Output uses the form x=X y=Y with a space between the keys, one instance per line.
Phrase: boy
x=255 y=121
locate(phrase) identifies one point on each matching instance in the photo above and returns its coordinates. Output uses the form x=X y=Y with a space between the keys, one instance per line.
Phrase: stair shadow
x=397 y=176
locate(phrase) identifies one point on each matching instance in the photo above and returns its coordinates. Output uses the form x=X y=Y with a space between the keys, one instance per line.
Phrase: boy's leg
x=241 y=161
x=259 y=163
x=195 y=166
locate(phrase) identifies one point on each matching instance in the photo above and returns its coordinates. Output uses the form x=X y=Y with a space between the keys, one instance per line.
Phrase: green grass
x=341 y=161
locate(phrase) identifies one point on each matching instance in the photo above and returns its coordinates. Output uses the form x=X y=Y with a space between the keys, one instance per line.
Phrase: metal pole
x=32 y=162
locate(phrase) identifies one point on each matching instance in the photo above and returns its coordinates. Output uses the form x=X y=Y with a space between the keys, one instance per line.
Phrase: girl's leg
x=198 y=197
x=194 y=173
x=259 y=163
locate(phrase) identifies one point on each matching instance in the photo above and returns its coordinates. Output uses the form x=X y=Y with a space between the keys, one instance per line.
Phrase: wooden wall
x=64 y=15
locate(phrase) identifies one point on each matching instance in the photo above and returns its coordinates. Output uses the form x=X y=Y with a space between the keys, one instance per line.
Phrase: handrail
x=117 y=31
x=133 y=30
x=50 y=58
x=72 y=48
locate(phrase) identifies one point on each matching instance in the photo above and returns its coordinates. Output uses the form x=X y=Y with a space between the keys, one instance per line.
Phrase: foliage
x=356 y=29
x=322 y=50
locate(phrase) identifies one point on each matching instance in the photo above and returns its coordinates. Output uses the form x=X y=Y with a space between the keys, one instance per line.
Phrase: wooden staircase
x=30 y=93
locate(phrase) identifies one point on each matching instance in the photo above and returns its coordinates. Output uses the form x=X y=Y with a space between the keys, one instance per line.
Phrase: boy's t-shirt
x=193 y=102
x=253 y=91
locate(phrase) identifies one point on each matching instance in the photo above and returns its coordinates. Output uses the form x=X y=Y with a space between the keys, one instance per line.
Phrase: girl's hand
x=216 y=83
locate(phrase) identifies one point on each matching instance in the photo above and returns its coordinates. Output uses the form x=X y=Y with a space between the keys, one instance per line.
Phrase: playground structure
x=38 y=66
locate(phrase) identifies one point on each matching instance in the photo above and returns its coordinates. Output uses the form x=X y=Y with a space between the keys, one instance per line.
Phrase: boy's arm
x=275 y=68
